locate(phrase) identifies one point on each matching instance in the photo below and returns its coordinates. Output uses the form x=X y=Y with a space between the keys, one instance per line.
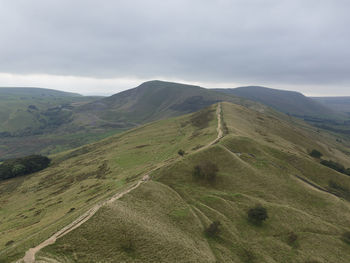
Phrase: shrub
x=316 y=154
x=346 y=237
x=213 y=229
x=257 y=215
x=292 y=238
x=181 y=152
x=205 y=171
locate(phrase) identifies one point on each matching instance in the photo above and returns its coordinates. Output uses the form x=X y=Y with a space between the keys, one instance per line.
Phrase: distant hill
x=152 y=100
x=289 y=102
x=341 y=104
x=30 y=119
x=30 y=92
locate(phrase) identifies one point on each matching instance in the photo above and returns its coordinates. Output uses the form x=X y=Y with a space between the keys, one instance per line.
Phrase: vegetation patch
x=205 y=171
x=213 y=229
x=22 y=166
x=315 y=153
x=336 y=166
x=257 y=215
x=339 y=190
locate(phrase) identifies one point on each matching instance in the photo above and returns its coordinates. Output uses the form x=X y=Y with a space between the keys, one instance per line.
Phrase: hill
x=289 y=102
x=47 y=122
x=33 y=207
x=162 y=210
x=34 y=120
x=152 y=100
x=340 y=104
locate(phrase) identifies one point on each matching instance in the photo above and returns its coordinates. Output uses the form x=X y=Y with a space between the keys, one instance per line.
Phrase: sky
x=106 y=46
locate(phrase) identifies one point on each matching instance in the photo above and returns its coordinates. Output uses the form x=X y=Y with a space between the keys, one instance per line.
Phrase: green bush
x=213 y=229
x=316 y=154
x=257 y=215
x=205 y=171
x=21 y=166
x=181 y=152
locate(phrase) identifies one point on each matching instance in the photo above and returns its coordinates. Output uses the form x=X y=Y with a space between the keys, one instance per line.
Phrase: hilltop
x=261 y=159
x=152 y=100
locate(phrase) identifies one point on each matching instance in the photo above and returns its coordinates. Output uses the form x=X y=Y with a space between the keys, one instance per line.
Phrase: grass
x=35 y=206
x=164 y=219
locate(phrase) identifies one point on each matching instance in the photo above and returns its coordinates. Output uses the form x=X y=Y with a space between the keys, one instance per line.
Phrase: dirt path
x=29 y=256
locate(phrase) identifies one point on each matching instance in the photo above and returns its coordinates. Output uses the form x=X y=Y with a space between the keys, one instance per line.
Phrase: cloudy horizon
x=101 y=49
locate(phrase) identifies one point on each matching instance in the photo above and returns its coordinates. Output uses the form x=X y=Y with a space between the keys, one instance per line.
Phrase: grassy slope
x=164 y=219
x=34 y=207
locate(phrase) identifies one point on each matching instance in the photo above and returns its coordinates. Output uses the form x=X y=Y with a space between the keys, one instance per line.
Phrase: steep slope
x=289 y=102
x=152 y=100
x=36 y=206
x=261 y=160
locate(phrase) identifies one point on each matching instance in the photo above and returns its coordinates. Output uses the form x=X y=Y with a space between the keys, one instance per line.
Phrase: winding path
x=29 y=256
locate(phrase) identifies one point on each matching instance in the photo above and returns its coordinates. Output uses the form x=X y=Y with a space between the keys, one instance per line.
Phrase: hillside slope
x=261 y=160
x=289 y=102
x=36 y=206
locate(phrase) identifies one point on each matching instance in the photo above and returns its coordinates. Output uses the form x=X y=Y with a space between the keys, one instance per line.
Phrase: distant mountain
x=152 y=100
x=341 y=104
x=289 y=102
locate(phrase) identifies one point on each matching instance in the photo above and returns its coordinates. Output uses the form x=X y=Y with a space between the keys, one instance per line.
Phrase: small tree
x=257 y=215
x=213 y=229
x=316 y=154
x=181 y=152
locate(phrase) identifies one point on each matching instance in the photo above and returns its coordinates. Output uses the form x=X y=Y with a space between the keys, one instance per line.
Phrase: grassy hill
x=289 y=102
x=31 y=121
x=152 y=100
x=261 y=159
x=45 y=121
x=35 y=206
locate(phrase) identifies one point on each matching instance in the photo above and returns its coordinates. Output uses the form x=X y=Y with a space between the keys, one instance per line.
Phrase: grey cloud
x=272 y=41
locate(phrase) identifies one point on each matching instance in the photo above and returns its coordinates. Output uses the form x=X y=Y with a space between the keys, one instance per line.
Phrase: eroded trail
x=30 y=254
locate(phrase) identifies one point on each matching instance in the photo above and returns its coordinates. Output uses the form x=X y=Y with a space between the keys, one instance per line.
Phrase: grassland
x=36 y=206
x=261 y=160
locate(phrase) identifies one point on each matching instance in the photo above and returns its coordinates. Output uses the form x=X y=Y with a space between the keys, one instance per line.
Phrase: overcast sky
x=105 y=46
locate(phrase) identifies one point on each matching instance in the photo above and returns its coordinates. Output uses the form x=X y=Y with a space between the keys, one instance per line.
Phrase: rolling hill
x=162 y=210
x=289 y=102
